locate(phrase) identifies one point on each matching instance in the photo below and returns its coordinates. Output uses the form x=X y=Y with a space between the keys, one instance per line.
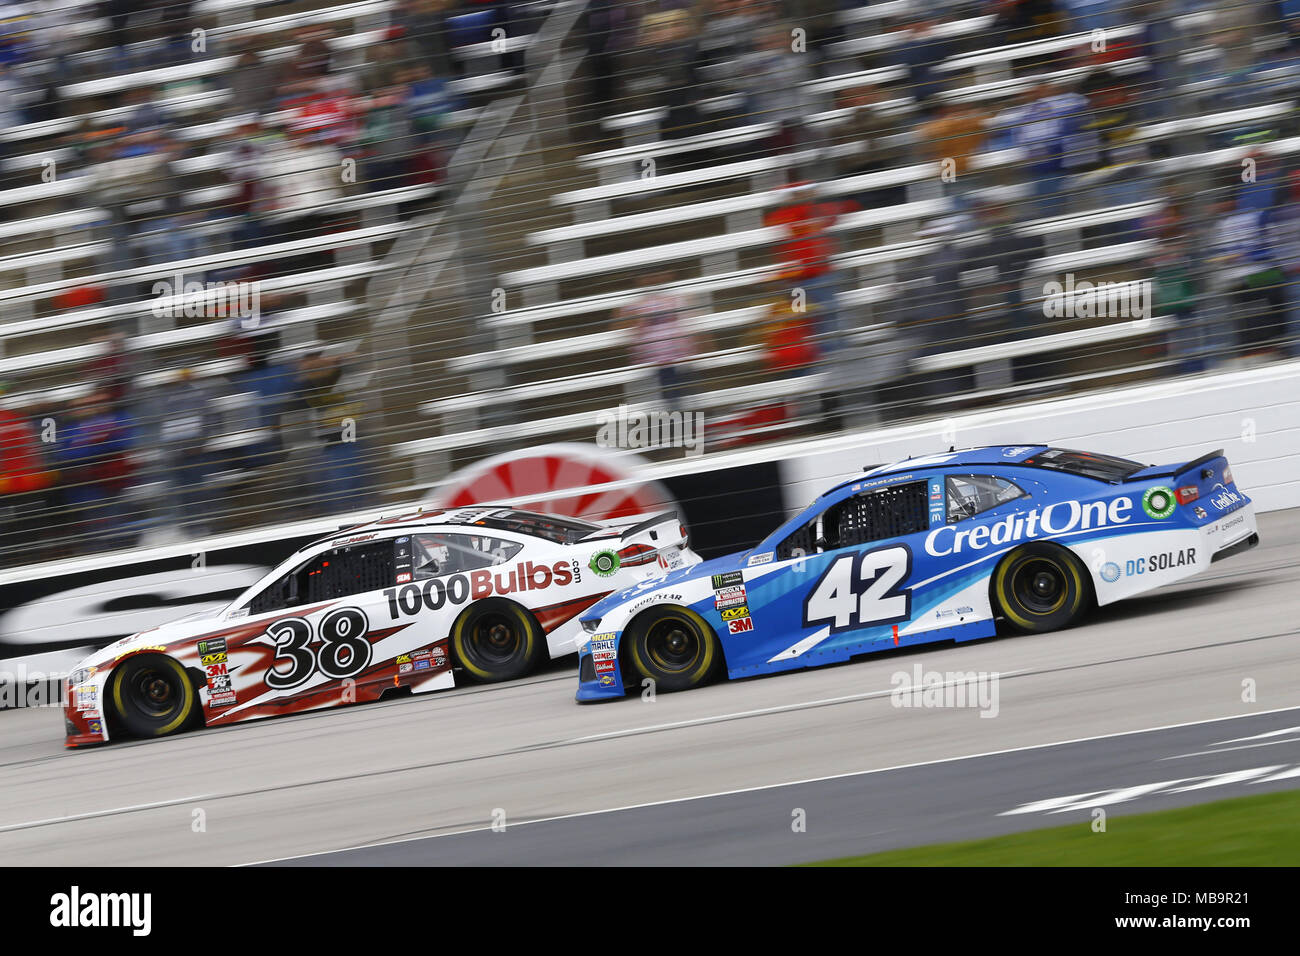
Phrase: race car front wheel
x=1040 y=587
x=672 y=646
x=496 y=640
x=153 y=696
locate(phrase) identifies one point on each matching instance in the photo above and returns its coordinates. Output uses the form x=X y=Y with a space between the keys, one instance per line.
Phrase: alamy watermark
x=1110 y=300
x=933 y=689
x=175 y=298
x=629 y=428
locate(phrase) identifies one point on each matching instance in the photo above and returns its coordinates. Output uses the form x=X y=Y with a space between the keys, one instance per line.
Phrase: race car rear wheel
x=1040 y=587
x=496 y=640
x=153 y=696
x=674 y=647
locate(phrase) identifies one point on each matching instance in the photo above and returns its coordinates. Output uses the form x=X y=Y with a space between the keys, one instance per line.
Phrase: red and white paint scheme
x=405 y=603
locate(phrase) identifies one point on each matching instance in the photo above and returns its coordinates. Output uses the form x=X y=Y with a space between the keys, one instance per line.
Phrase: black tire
x=674 y=647
x=153 y=696
x=1039 y=588
x=496 y=641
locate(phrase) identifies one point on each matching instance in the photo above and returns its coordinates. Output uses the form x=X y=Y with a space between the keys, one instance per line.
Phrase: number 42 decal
x=861 y=590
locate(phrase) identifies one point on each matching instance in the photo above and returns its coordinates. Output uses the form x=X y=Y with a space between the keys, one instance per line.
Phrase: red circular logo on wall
x=603 y=485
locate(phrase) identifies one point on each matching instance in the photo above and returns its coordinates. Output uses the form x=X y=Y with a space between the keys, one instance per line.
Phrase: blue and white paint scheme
x=827 y=585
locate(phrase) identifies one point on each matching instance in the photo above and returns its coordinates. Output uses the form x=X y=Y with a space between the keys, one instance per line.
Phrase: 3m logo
x=740 y=626
x=732 y=613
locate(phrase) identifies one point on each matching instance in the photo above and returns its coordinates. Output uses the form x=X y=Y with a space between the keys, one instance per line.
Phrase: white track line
x=787 y=783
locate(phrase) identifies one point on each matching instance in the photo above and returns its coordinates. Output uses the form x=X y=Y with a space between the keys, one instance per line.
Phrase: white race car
x=402 y=603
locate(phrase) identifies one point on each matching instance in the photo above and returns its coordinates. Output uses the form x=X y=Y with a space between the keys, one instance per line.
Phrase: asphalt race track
x=711 y=776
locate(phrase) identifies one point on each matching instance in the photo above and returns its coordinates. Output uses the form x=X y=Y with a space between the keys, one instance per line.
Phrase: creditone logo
x=1061 y=517
x=1225 y=500
x=1159 y=501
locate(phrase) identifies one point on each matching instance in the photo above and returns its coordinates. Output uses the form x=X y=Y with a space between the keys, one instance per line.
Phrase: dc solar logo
x=1110 y=572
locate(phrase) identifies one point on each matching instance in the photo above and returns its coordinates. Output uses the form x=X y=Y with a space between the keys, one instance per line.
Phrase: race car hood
x=185 y=628
x=704 y=569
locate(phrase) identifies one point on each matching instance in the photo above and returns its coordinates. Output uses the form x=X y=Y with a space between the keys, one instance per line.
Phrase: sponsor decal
x=936 y=501
x=1061 y=517
x=607 y=680
x=1200 y=512
x=602 y=656
x=1110 y=572
x=1159 y=502
x=422 y=665
x=209 y=660
x=601 y=644
x=220 y=684
x=1015 y=451
x=764 y=558
x=740 y=625
x=1161 y=562
x=213 y=645
x=216 y=670
x=965 y=610
x=354 y=539
x=729 y=597
x=404 y=577
x=435 y=593
x=95 y=727
x=1225 y=500
x=731 y=613
x=604 y=563
x=405 y=668
x=604 y=667
x=732 y=579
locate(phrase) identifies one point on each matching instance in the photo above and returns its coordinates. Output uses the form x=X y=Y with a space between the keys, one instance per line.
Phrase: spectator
x=776 y=75
x=951 y=139
x=25 y=483
x=189 y=422
x=805 y=257
x=334 y=417
x=861 y=120
x=669 y=62
x=1248 y=271
x=387 y=139
x=661 y=340
x=93 y=458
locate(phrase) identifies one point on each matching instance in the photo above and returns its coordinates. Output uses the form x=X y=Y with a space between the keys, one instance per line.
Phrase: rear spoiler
x=1172 y=470
x=649 y=523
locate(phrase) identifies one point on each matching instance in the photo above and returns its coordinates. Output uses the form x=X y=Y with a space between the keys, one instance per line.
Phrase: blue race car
x=929 y=549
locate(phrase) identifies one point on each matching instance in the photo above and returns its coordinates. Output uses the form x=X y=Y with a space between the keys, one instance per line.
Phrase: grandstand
x=421 y=233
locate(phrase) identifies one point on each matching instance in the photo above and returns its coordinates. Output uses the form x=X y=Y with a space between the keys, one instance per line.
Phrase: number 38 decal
x=860 y=590
x=344 y=650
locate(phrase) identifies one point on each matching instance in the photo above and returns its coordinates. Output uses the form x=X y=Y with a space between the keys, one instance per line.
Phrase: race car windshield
x=1101 y=467
x=556 y=528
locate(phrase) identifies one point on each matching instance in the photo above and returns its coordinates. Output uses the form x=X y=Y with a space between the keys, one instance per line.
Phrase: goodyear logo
x=733 y=613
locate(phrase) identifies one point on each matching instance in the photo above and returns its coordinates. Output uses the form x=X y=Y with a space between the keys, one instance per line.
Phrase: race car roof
x=478 y=517
x=1048 y=457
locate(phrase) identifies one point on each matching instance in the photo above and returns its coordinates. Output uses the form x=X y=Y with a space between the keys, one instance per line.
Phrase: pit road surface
x=402 y=771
